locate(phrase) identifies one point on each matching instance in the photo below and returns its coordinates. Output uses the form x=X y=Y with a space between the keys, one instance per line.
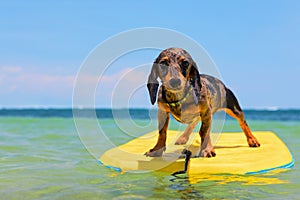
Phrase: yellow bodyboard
x=234 y=156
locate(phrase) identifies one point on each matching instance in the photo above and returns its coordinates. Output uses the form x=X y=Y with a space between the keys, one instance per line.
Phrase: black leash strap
x=187 y=154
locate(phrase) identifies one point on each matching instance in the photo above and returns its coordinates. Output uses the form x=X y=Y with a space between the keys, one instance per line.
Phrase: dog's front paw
x=206 y=153
x=155 y=152
x=253 y=142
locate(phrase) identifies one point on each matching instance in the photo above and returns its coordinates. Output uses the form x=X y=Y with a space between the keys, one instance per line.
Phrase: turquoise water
x=43 y=158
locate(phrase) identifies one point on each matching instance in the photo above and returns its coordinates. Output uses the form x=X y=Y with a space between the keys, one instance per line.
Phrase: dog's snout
x=175 y=82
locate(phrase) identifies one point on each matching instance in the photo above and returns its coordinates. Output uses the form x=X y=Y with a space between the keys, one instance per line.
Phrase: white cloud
x=21 y=86
x=128 y=89
x=21 y=80
x=35 y=87
x=11 y=69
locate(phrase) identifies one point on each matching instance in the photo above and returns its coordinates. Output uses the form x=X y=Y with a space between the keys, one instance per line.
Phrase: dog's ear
x=152 y=84
x=194 y=78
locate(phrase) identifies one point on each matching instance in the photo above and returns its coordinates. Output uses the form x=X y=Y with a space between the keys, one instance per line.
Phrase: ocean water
x=43 y=157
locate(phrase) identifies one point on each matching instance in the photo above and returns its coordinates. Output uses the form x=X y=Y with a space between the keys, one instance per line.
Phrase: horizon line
x=271 y=108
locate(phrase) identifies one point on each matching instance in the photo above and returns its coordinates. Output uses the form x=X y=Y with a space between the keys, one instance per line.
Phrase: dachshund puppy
x=190 y=97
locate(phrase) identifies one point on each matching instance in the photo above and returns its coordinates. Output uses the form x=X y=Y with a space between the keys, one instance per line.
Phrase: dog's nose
x=175 y=82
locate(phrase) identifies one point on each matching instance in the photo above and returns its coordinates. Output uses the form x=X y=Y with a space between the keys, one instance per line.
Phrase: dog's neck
x=176 y=99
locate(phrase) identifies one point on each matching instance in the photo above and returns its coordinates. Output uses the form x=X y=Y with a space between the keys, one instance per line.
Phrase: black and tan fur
x=190 y=97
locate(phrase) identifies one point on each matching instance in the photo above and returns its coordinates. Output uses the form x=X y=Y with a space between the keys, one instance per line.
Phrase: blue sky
x=255 y=45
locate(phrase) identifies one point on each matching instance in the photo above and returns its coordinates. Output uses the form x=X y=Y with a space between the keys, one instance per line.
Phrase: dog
x=190 y=97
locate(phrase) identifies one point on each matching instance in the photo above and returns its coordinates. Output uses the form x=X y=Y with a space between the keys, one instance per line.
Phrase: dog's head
x=176 y=70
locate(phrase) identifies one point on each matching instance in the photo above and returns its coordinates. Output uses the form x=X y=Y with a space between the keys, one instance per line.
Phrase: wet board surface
x=234 y=156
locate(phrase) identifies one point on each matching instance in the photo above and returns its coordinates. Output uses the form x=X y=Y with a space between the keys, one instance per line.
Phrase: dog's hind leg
x=234 y=110
x=186 y=134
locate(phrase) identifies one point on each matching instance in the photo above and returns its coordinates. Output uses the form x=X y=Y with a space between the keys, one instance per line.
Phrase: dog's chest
x=186 y=112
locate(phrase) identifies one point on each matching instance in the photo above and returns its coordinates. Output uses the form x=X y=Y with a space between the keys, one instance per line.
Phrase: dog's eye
x=185 y=63
x=163 y=66
x=164 y=62
x=163 y=69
